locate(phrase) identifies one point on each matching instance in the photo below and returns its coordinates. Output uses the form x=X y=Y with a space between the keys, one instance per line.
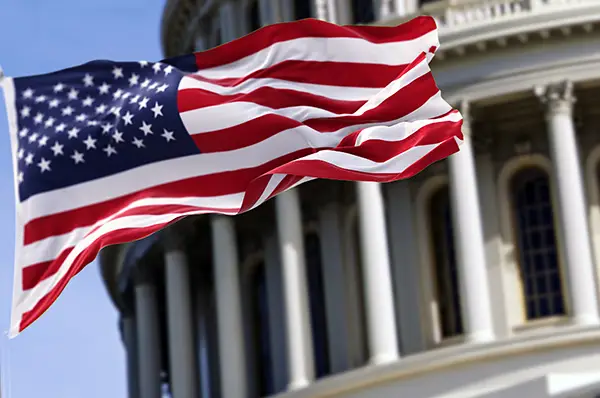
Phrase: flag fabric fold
x=110 y=152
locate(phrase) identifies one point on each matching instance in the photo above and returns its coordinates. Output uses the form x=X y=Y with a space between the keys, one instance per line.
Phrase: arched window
x=445 y=267
x=318 y=316
x=363 y=11
x=536 y=241
x=260 y=330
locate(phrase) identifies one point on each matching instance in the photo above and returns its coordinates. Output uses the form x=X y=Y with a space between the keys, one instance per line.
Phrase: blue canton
x=94 y=120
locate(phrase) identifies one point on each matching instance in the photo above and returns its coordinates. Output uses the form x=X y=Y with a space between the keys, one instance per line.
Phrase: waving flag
x=110 y=152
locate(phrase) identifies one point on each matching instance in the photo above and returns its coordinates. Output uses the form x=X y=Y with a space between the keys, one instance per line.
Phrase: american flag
x=110 y=152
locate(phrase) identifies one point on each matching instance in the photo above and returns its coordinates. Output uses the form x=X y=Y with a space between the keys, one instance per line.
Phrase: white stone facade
x=476 y=278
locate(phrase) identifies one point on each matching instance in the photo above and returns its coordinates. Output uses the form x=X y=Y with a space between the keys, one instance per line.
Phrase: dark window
x=302 y=9
x=260 y=317
x=446 y=272
x=318 y=316
x=536 y=240
x=363 y=11
x=254 y=16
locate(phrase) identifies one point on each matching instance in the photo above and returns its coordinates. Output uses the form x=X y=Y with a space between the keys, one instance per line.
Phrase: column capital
x=558 y=97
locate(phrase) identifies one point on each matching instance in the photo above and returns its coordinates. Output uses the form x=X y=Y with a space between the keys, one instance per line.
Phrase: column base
x=480 y=337
x=298 y=384
x=383 y=359
x=586 y=320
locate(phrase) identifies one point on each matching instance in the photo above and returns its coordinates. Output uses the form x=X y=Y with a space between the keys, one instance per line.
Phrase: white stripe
x=11 y=112
x=347 y=161
x=49 y=248
x=401 y=130
x=341 y=93
x=336 y=49
x=218 y=117
x=135 y=180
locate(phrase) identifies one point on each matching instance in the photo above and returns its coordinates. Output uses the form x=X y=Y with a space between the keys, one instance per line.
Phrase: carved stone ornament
x=558 y=97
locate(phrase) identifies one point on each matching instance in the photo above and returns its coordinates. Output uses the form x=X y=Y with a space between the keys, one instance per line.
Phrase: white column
x=299 y=343
x=469 y=243
x=377 y=277
x=146 y=311
x=180 y=328
x=571 y=200
x=229 y=310
x=400 y=7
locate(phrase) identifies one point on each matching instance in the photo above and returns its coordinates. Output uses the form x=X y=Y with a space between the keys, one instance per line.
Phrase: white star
x=117 y=72
x=61 y=127
x=162 y=88
x=21 y=153
x=49 y=122
x=126 y=95
x=118 y=136
x=109 y=150
x=138 y=142
x=101 y=109
x=54 y=103
x=73 y=94
x=25 y=112
x=106 y=128
x=90 y=142
x=58 y=88
x=73 y=132
x=33 y=137
x=153 y=86
x=38 y=118
x=143 y=63
x=81 y=117
x=23 y=132
x=104 y=88
x=28 y=93
x=68 y=111
x=88 y=101
x=133 y=80
x=40 y=98
x=143 y=102
x=146 y=128
x=57 y=148
x=134 y=99
x=44 y=165
x=168 y=70
x=145 y=83
x=157 y=109
x=43 y=141
x=115 y=110
x=77 y=157
x=92 y=122
x=168 y=135
x=118 y=94
x=127 y=118
x=88 y=80
x=29 y=159
x=20 y=177
x=156 y=67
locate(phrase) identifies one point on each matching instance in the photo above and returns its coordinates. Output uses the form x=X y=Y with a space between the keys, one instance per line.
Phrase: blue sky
x=74 y=350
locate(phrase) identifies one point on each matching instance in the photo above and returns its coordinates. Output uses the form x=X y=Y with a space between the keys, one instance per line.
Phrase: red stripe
x=331 y=73
x=84 y=258
x=217 y=184
x=277 y=98
x=264 y=37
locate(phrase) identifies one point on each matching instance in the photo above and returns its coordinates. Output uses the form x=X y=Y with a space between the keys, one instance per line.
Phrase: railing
x=455 y=15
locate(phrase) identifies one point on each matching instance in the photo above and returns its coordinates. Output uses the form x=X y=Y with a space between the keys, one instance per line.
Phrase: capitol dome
x=476 y=278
